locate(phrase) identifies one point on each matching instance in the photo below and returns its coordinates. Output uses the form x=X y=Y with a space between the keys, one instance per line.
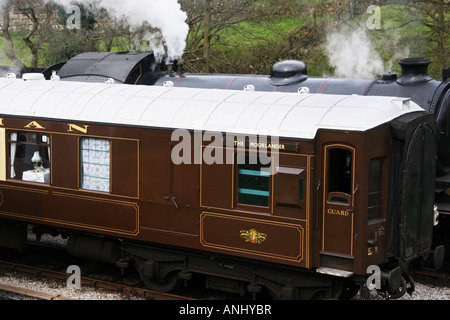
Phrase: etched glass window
x=95 y=164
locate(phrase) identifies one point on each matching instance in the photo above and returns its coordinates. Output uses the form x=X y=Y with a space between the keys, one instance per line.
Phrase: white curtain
x=13 y=137
x=95 y=163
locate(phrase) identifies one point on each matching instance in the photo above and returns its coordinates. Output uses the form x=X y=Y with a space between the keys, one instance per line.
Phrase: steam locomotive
x=352 y=171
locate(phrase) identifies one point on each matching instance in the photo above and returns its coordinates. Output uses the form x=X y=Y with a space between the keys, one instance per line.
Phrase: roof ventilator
x=32 y=76
x=303 y=90
x=249 y=88
x=402 y=103
x=54 y=76
x=168 y=84
x=110 y=81
x=11 y=76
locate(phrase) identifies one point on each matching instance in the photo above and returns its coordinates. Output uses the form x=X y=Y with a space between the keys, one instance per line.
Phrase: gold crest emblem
x=253 y=236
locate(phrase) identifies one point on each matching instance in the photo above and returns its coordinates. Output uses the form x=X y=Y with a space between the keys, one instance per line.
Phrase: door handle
x=319 y=184
x=356 y=189
x=352 y=210
x=175 y=203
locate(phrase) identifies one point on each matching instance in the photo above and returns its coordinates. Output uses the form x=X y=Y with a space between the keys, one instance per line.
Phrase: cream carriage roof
x=266 y=113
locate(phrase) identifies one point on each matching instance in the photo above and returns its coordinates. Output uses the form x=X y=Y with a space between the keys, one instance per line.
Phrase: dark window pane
x=253 y=183
x=339 y=175
x=29 y=157
x=300 y=189
x=375 y=174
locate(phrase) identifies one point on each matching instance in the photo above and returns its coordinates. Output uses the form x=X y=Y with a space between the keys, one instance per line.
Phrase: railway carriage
x=291 y=194
x=289 y=76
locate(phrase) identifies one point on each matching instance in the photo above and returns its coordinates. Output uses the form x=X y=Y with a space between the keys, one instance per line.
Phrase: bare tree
x=10 y=51
x=436 y=19
x=41 y=16
x=207 y=19
x=434 y=15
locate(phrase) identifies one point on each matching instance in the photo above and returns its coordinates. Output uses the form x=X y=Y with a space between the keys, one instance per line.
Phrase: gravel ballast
x=426 y=288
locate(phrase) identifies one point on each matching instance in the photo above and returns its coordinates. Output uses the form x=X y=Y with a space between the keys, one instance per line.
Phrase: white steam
x=352 y=54
x=165 y=15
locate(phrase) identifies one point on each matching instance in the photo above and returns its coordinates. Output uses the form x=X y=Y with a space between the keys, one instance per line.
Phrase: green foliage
x=65 y=45
x=21 y=49
x=299 y=29
x=249 y=36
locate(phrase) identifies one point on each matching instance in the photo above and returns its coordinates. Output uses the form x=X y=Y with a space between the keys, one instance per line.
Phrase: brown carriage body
x=309 y=220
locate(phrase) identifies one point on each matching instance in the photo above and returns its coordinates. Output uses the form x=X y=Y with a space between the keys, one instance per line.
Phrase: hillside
x=334 y=38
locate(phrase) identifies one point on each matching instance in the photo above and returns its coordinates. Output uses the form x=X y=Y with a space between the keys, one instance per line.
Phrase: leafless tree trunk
x=10 y=52
x=29 y=12
x=206 y=37
x=442 y=30
x=207 y=19
x=41 y=17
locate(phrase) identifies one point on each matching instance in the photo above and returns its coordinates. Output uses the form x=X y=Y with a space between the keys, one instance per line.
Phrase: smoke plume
x=352 y=54
x=164 y=15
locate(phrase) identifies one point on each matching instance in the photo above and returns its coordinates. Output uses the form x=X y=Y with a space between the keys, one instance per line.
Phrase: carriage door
x=338 y=200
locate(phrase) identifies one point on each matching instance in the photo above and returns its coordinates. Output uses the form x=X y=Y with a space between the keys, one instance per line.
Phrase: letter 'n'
x=83 y=129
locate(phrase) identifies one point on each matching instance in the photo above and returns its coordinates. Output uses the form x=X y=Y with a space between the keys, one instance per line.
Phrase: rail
x=25 y=292
x=90 y=282
x=438 y=274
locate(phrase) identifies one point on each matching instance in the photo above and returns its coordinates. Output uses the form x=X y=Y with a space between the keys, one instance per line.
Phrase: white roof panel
x=201 y=109
x=235 y=112
x=160 y=112
x=251 y=116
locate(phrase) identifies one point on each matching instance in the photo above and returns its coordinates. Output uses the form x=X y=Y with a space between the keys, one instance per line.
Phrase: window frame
x=81 y=167
x=329 y=192
x=248 y=154
x=375 y=198
x=47 y=145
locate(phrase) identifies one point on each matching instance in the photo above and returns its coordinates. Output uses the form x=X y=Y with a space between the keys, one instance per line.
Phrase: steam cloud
x=351 y=53
x=165 y=15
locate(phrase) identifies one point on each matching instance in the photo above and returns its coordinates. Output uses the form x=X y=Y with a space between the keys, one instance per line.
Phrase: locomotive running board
x=334 y=272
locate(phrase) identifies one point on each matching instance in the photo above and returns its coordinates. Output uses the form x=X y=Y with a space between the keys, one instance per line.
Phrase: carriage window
x=253 y=182
x=29 y=156
x=339 y=176
x=95 y=164
x=375 y=176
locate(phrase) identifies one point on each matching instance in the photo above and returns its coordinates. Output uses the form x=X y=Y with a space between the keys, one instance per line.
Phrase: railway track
x=438 y=274
x=85 y=281
x=10 y=292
